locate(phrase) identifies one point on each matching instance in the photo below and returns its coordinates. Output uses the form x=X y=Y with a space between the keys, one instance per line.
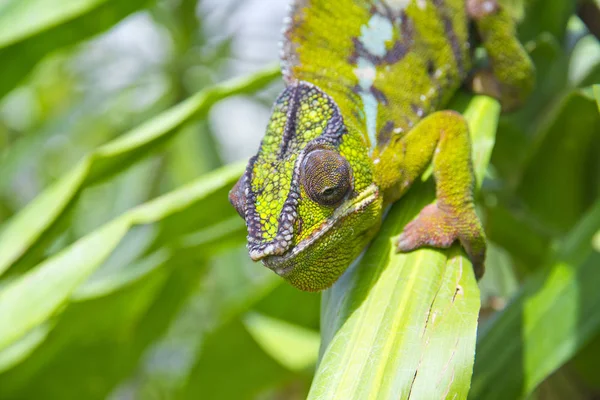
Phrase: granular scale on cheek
x=299 y=116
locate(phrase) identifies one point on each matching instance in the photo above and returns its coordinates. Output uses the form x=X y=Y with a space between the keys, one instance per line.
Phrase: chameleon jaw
x=281 y=265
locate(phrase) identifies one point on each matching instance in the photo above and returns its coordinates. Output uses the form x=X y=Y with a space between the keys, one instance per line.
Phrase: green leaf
x=95 y=342
x=21 y=349
x=33 y=228
x=403 y=326
x=29 y=30
x=525 y=344
x=293 y=346
x=118 y=340
x=31 y=299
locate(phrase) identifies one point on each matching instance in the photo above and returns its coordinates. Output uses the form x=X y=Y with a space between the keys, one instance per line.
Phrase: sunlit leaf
x=293 y=346
x=32 y=228
x=32 y=298
x=19 y=350
x=403 y=326
x=29 y=30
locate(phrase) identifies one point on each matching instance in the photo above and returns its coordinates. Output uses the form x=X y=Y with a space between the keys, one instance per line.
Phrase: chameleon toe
x=431 y=227
x=435 y=227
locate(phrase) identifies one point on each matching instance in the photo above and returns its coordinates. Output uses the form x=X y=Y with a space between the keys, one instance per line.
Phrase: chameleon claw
x=439 y=228
x=430 y=228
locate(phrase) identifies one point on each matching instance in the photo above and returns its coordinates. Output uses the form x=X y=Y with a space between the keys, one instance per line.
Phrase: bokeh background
x=207 y=323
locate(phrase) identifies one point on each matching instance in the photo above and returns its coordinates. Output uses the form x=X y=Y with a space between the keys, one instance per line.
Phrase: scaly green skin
x=361 y=118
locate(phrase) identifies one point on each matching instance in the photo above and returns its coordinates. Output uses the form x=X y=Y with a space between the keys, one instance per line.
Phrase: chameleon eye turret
x=307 y=190
x=326 y=177
x=361 y=118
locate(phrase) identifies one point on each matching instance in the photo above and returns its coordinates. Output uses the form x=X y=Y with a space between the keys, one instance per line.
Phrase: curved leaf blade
x=29 y=30
x=400 y=326
x=293 y=346
x=33 y=225
x=31 y=299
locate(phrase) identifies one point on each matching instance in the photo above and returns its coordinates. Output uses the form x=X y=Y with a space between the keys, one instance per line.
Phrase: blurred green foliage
x=123 y=272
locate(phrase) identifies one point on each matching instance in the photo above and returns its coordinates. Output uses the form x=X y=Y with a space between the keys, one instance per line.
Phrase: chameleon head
x=308 y=196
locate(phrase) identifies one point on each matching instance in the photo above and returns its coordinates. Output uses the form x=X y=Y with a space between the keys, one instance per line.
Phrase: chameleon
x=361 y=117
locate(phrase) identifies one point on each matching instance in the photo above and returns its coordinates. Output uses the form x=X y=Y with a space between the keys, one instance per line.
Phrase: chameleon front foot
x=438 y=227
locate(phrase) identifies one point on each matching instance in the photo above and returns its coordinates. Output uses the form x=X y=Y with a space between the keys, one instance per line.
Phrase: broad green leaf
x=132 y=271
x=29 y=30
x=553 y=316
x=399 y=326
x=29 y=300
x=32 y=228
x=293 y=346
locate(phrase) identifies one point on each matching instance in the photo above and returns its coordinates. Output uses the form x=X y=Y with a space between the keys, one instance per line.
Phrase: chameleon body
x=361 y=117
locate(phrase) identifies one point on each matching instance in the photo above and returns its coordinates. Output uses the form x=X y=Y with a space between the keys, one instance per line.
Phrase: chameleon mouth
x=281 y=264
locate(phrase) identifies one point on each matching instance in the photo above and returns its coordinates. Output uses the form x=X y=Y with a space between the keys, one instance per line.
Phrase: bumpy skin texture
x=361 y=118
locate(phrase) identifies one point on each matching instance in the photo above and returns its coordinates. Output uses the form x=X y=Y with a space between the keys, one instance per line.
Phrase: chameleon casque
x=362 y=116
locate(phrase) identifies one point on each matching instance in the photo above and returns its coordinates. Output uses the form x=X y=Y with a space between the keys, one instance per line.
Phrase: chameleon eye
x=326 y=177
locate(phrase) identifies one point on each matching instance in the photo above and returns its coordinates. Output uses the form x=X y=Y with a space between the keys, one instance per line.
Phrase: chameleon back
x=386 y=63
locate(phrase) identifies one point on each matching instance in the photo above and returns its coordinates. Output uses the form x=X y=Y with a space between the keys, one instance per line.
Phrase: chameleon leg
x=444 y=138
x=511 y=76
